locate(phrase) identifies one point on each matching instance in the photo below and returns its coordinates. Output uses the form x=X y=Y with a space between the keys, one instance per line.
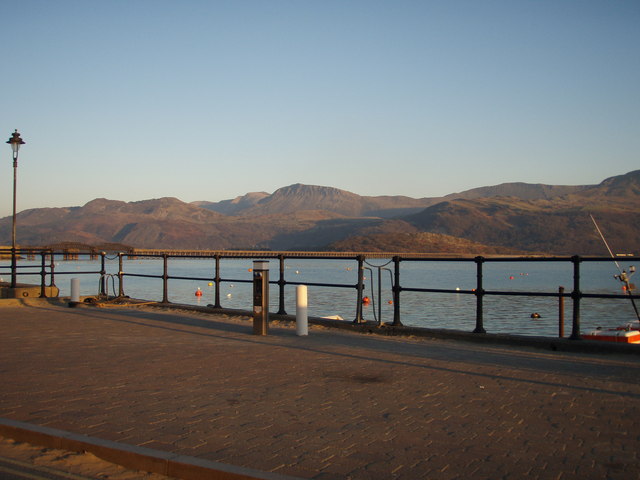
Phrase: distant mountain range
x=298 y=197
x=506 y=218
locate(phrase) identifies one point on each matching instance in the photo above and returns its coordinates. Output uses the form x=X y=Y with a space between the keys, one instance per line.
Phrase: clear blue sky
x=208 y=100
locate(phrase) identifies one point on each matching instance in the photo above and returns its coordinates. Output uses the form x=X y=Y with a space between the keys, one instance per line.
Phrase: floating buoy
x=250 y=270
x=198 y=292
x=511 y=277
x=210 y=284
x=390 y=302
x=366 y=300
x=228 y=295
x=535 y=315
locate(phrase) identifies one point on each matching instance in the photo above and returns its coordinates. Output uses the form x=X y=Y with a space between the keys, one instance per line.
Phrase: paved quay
x=333 y=405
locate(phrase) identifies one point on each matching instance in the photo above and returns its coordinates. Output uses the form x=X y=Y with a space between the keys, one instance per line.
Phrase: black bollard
x=260 y=297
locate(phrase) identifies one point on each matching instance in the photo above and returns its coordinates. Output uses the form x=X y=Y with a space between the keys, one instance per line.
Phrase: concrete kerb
x=19 y=302
x=131 y=456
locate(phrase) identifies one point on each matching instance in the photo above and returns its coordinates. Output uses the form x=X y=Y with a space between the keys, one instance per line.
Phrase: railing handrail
x=396 y=258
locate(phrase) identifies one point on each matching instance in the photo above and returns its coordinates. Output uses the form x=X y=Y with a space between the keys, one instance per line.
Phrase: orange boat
x=619 y=335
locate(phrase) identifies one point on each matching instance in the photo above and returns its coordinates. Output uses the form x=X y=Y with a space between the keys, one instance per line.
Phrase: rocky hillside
x=523 y=191
x=559 y=225
x=235 y=206
x=299 y=197
x=417 y=242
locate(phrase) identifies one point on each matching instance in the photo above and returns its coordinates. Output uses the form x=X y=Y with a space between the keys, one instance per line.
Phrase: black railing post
x=396 y=292
x=479 y=296
x=281 y=284
x=216 y=282
x=360 y=289
x=576 y=295
x=120 y=276
x=165 y=279
x=103 y=274
x=14 y=257
x=53 y=270
x=43 y=276
x=561 y=312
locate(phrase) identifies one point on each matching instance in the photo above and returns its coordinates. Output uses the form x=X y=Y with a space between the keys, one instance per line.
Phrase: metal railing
x=48 y=269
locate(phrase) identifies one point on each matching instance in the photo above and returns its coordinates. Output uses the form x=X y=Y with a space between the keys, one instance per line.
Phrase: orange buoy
x=366 y=300
x=198 y=292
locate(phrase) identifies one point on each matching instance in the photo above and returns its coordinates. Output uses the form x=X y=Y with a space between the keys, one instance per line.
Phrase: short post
x=561 y=312
x=302 y=319
x=260 y=297
x=75 y=292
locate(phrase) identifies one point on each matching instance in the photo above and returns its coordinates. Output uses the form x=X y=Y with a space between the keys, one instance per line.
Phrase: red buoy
x=198 y=292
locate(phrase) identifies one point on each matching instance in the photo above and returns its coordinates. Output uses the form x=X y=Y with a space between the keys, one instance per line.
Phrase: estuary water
x=502 y=314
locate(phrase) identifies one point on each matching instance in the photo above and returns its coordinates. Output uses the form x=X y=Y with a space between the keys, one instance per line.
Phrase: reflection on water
x=502 y=314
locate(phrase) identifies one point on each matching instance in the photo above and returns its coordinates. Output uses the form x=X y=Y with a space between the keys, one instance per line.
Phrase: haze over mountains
x=506 y=218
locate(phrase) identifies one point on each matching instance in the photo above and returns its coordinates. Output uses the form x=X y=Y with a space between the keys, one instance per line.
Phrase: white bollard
x=302 y=321
x=75 y=290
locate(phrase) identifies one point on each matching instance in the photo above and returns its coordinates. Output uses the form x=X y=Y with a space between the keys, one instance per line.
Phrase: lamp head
x=15 y=141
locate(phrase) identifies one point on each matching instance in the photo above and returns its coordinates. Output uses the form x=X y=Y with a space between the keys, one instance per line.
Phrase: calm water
x=502 y=314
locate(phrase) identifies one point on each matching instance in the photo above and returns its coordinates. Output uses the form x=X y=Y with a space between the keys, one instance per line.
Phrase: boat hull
x=618 y=336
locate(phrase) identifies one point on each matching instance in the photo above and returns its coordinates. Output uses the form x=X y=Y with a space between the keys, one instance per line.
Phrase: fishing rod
x=623 y=276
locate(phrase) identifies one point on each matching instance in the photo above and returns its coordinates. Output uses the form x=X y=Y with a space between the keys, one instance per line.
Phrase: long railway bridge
x=71 y=250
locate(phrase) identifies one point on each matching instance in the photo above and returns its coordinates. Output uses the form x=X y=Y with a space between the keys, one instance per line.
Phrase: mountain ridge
x=502 y=218
x=287 y=199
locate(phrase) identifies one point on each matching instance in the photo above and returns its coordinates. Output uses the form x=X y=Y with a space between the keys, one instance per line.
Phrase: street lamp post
x=15 y=141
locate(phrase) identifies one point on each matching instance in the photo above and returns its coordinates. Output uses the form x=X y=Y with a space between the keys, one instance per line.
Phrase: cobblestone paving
x=333 y=405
